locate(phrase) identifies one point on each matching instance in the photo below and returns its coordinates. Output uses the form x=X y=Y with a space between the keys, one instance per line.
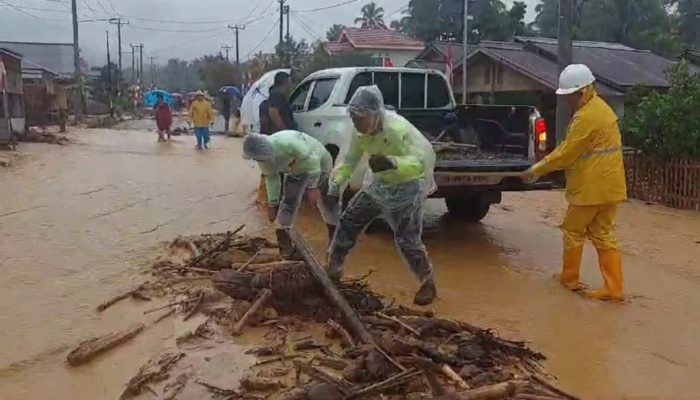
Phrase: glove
x=272 y=212
x=378 y=163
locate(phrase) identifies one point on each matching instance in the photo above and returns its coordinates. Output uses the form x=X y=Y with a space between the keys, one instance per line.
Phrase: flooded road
x=79 y=223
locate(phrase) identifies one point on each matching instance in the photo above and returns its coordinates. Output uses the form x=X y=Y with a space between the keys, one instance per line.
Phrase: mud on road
x=80 y=223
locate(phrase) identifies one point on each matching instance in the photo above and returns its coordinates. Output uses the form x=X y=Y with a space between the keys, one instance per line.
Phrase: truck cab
x=470 y=176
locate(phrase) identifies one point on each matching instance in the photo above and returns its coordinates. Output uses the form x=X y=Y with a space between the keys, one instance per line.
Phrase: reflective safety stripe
x=601 y=152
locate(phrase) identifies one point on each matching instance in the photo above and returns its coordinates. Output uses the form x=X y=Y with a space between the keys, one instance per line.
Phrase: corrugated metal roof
x=57 y=57
x=614 y=63
x=536 y=67
x=363 y=38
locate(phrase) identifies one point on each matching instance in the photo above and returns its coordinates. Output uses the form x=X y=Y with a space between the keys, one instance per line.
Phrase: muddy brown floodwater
x=79 y=223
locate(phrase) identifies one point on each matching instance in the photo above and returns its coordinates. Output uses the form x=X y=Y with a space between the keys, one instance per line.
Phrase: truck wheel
x=468 y=208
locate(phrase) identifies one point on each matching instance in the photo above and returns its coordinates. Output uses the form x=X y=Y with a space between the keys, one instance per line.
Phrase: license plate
x=466 y=179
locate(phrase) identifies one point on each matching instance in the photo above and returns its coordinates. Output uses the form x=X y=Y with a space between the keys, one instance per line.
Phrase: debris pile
x=34 y=135
x=317 y=344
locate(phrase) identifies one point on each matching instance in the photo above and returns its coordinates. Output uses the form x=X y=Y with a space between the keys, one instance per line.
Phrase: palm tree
x=372 y=17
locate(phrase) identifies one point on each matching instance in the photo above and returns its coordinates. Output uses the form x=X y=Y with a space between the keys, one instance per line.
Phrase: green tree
x=644 y=24
x=334 y=32
x=667 y=125
x=215 y=72
x=441 y=20
x=178 y=76
x=372 y=16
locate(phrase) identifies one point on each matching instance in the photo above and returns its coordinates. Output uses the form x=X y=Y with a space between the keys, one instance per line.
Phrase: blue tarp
x=150 y=99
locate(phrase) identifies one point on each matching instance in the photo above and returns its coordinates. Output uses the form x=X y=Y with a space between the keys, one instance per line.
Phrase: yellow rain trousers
x=591 y=156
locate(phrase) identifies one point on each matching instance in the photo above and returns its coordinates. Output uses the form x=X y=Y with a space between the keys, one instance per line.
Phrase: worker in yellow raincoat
x=591 y=156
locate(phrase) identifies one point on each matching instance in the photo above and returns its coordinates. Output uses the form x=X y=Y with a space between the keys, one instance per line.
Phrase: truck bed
x=460 y=158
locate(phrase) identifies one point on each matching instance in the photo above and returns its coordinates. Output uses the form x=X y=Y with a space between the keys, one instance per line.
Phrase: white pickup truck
x=470 y=176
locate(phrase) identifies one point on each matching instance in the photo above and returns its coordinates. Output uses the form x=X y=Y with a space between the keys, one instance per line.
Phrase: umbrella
x=259 y=91
x=151 y=98
x=232 y=91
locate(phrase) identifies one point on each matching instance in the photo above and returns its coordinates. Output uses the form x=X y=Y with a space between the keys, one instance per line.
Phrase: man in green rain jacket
x=305 y=165
x=402 y=161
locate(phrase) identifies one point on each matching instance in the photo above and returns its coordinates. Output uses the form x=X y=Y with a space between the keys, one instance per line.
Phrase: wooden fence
x=671 y=182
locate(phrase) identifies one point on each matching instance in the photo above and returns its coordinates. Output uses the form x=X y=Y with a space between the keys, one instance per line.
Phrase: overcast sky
x=194 y=27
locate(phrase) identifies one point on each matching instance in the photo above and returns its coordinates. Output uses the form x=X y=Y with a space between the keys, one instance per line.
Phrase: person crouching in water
x=306 y=166
x=402 y=162
x=164 y=118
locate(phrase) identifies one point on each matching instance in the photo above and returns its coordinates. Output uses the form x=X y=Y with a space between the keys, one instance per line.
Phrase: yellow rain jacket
x=201 y=114
x=591 y=155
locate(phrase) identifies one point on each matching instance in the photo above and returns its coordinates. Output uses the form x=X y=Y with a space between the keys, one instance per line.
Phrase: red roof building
x=389 y=47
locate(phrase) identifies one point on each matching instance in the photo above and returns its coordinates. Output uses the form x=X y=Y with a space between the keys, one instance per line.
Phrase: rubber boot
x=571 y=267
x=286 y=247
x=426 y=294
x=610 y=262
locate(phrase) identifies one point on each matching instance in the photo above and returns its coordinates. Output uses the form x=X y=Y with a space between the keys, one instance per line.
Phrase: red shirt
x=164 y=117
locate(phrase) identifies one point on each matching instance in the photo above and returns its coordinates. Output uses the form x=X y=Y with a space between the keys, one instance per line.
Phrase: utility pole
x=133 y=62
x=226 y=49
x=281 y=21
x=76 y=61
x=140 y=64
x=153 y=70
x=465 y=49
x=236 y=31
x=109 y=78
x=566 y=55
x=286 y=11
x=119 y=22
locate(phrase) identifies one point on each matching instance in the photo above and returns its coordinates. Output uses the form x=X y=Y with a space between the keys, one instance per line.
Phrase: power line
x=184 y=44
x=307 y=28
x=327 y=7
x=18 y=9
x=272 y=29
x=35 y=8
x=144 y=28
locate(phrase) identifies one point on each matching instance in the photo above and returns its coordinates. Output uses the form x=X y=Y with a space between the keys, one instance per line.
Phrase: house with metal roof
x=56 y=57
x=11 y=95
x=388 y=47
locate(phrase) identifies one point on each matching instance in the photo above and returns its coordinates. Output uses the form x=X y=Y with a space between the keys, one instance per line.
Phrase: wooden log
x=89 y=349
x=358 y=330
x=454 y=377
x=195 y=307
x=320 y=375
x=193 y=249
x=260 y=301
x=493 y=392
x=173 y=304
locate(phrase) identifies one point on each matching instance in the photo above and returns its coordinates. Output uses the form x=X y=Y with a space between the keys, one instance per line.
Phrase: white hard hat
x=574 y=78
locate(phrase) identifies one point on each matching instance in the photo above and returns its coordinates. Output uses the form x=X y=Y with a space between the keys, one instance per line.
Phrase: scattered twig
x=89 y=349
x=116 y=299
x=492 y=392
x=386 y=384
x=223 y=242
x=155 y=370
x=398 y=321
x=173 y=304
x=553 y=387
x=195 y=307
x=388 y=357
x=275 y=359
x=260 y=301
x=345 y=336
x=247 y=263
x=164 y=316
x=217 y=390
